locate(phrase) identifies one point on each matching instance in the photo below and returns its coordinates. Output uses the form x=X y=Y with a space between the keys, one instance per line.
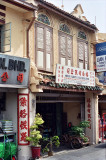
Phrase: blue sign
x=102 y=77
x=101 y=49
x=101 y=57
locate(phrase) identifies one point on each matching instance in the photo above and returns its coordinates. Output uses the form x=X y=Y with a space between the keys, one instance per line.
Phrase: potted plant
x=35 y=136
x=49 y=144
x=84 y=125
x=79 y=131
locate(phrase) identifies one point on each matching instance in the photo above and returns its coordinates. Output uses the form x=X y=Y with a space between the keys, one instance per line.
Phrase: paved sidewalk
x=93 y=152
x=56 y=151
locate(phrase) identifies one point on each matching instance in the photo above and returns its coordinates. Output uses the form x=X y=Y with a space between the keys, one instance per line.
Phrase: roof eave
x=64 y=14
x=22 y=4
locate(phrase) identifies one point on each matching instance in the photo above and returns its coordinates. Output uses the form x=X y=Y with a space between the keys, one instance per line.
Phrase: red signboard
x=89 y=111
x=23 y=118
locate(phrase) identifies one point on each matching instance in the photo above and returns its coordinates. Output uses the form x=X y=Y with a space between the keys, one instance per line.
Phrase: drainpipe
x=30 y=25
x=27 y=38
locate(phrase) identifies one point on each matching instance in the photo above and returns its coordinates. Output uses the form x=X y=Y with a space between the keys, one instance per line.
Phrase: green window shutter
x=6 y=37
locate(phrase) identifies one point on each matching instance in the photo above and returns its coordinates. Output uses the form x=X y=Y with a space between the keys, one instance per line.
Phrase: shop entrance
x=2 y=103
x=58 y=108
x=102 y=117
x=52 y=116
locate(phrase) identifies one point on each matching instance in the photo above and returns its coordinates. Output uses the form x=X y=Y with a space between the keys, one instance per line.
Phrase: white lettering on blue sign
x=100 y=49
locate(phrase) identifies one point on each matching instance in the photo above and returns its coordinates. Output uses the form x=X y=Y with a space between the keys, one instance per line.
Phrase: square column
x=91 y=115
x=30 y=103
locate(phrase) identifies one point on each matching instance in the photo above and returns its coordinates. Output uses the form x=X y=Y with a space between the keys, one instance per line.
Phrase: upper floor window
x=44 y=47
x=64 y=28
x=65 y=46
x=43 y=18
x=5 y=37
x=82 y=51
x=82 y=35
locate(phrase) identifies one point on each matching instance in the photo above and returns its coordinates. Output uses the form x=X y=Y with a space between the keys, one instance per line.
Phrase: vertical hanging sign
x=89 y=111
x=23 y=118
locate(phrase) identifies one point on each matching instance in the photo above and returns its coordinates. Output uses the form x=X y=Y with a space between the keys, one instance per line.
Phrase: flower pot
x=50 y=153
x=35 y=151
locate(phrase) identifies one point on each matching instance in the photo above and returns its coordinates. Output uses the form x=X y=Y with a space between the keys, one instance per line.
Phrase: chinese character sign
x=14 y=71
x=23 y=118
x=77 y=76
x=4 y=76
x=89 y=111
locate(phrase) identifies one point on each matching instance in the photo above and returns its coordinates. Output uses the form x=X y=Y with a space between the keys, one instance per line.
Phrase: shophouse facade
x=63 y=40
x=101 y=75
x=48 y=40
x=16 y=17
x=100 y=52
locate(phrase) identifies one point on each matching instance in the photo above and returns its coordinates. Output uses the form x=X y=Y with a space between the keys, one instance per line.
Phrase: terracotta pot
x=35 y=151
x=50 y=153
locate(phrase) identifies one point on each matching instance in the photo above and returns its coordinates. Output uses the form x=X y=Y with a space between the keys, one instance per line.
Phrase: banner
x=101 y=56
x=77 y=76
x=23 y=119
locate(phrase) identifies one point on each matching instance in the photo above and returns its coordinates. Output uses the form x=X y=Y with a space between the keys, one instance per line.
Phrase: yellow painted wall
x=55 y=22
x=72 y=109
x=101 y=37
x=17 y=41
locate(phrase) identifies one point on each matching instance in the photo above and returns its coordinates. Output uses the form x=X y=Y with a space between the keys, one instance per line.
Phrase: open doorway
x=52 y=115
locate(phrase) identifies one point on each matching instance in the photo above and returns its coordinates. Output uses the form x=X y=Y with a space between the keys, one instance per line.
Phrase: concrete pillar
x=96 y=127
x=91 y=114
x=32 y=106
x=24 y=151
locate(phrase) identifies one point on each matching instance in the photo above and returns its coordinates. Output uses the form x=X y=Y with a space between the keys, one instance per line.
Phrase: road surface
x=93 y=152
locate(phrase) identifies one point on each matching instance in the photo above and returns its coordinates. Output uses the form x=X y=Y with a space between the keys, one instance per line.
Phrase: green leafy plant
x=80 y=130
x=84 y=124
x=35 y=134
x=49 y=143
x=85 y=139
